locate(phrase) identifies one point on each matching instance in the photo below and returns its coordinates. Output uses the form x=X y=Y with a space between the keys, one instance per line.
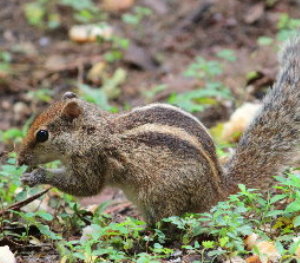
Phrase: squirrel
x=162 y=157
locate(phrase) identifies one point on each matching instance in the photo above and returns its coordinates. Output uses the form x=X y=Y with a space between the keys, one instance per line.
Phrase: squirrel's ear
x=69 y=95
x=71 y=110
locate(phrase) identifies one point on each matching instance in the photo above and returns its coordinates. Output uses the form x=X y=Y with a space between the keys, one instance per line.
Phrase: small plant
x=118 y=45
x=226 y=54
x=5 y=60
x=265 y=41
x=11 y=134
x=44 y=95
x=42 y=14
x=205 y=71
x=109 y=241
x=153 y=91
x=96 y=96
x=200 y=99
x=85 y=11
x=135 y=18
x=271 y=3
x=45 y=13
x=9 y=183
x=287 y=27
x=245 y=213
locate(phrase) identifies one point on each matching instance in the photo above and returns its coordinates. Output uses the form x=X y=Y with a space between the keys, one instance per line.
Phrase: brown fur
x=161 y=157
x=43 y=119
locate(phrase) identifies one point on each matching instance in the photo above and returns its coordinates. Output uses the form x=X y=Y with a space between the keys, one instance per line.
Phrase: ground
x=39 y=62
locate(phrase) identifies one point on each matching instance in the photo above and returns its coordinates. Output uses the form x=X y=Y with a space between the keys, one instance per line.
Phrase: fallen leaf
x=253 y=259
x=254 y=13
x=239 y=121
x=250 y=241
x=297 y=252
x=111 y=86
x=21 y=111
x=56 y=63
x=86 y=233
x=89 y=33
x=235 y=260
x=96 y=73
x=6 y=256
x=116 y=6
x=140 y=57
x=160 y=7
x=267 y=251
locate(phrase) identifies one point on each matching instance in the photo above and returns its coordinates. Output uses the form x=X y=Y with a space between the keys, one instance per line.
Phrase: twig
x=18 y=205
x=118 y=207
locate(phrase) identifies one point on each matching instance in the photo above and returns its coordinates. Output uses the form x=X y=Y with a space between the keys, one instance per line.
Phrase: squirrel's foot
x=33 y=178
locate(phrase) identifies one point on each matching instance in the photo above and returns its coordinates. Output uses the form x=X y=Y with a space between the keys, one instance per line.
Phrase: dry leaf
x=95 y=74
x=21 y=111
x=254 y=13
x=116 y=5
x=239 y=121
x=56 y=63
x=235 y=260
x=86 y=233
x=92 y=208
x=268 y=251
x=297 y=252
x=89 y=33
x=253 y=259
x=6 y=256
x=250 y=241
x=140 y=57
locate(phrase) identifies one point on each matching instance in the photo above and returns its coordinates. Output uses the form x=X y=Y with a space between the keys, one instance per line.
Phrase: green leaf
x=130 y=19
x=216 y=252
x=296 y=221
x=227 y=54
x=276 y=198
x=47 y=232
x=264 y=41
x=274 y=213
x=111 y=85
x=191 y=100
x=96 y=96
x=34 y=13
x=242 y=187
x=44 y=215
x=223 y=241
x=293 y=207
x=279 y=247
x=208 y=244
x=154 y=91
x=202 y=68
x=11 y=134
x=79 y=4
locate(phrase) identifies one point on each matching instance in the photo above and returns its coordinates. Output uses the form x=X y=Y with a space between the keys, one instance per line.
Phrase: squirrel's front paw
x=33 y=178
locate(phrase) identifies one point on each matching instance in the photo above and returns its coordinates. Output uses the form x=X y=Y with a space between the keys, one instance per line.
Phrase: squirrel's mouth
x=22 y=161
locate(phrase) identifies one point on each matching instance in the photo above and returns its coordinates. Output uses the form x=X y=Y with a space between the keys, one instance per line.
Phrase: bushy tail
x=270 y=141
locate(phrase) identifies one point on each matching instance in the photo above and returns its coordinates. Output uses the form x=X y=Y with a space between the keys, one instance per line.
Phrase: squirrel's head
x=41 y=144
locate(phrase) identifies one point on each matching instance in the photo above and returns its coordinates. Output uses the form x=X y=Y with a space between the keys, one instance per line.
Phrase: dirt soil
x=160 y=50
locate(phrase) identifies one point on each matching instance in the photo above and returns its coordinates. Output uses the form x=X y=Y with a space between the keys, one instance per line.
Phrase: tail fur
x=270 y=141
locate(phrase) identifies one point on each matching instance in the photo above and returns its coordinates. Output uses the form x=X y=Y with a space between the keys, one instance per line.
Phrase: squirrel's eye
x=42 y=136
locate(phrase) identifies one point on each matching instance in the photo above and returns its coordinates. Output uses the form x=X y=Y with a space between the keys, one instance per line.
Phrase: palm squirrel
x=162 y=157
